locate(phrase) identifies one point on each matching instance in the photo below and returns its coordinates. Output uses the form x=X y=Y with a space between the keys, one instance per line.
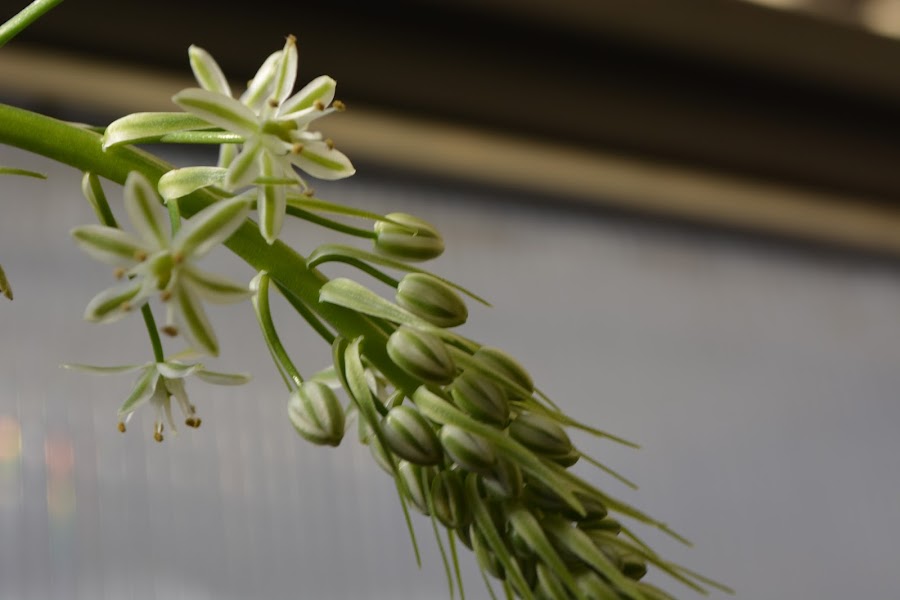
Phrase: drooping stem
x=24 y=18
x=270 y=334
x=81 y=148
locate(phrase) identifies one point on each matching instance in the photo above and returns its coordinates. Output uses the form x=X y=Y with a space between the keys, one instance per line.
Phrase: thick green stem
x=81 y=149
x=24 y=18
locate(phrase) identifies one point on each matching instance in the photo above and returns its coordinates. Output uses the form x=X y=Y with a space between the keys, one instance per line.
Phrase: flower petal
x=144 y=210
x=211 y=226
x=286 y=72
x=99 y=370
x=271 y=202
x=141 y=127
x=321 y=88
x=258 y=90
x=217 y=378
x=192 y=316
x=215 y=288
x=244 y=168
x=143 y=390
x=176 y=370
x=110 y=245
x=207 y=72
x=322 y=161
x=115 y=302
x=181 y=182
x=216 y=109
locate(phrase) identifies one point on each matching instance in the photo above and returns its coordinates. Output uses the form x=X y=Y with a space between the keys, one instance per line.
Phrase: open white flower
x=274 y=126
x=152 y=261
x=157 y=384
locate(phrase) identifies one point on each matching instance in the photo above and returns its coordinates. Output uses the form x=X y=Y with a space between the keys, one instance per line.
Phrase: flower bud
x=411 y=436
x=317 y=414
x=487 y=560
x=501 y=363
x=421 y=354
x=481 y=398
x=505 y=481
x=448 y=498
x=592 y=586
x=540 y=434
x=430 y=298
x=412 y=476
x=469 y=451
x=567 y=460
x=408 y=238
x=600 y=526
x=633 y=566
x=541 y=496
x=382 y=458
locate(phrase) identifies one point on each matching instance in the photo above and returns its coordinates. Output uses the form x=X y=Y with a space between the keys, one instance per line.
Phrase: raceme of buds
x=317 y=414
x=540 y=434
x=494 y=360
x=421 y=354
x=408 y=238
x=481 y=398
x=411 y=436
x=428 y=297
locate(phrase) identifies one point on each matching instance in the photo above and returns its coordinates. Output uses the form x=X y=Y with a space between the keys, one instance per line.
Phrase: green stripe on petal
x=271 y=203
x=321 y=88
x=258 y=91
x=115 y=302
x=207 y=71
x=286 y=72
x=218 y=110
x=144 y=210
x=218 y=378
x=148 y=126
x=244 y=168
x=215 y=288
x=143 y=390
x=181 y=182
x=193 y=317
x=109 y=245
x=211 y=226
x=100 y=370
x=323 y=162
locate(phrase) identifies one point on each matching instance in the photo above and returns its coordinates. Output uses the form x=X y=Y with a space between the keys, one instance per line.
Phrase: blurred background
x=685 y=213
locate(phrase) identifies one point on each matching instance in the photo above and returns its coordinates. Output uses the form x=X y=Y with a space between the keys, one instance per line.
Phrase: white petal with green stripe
x=181 y=182
x=215 y=288
x=149 y=126
x=192 y=317
x=321 y=88
x=211 y=226
x=207 y=71
x=322 y=161
x=218 y=110
x=144 y=211
x=109 y=245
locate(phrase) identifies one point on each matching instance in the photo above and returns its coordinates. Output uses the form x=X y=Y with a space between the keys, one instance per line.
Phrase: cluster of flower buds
x=473 y=445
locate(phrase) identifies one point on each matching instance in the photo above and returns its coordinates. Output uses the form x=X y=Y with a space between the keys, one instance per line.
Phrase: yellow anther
x=118 y=272
x=291 y=39
x=273 y=102
x=126 y=306
x=165 y=296
x=178 y=258
x=309 y=192
x=338 y=105
x=122 y=426
x=329 y=143
x=297 y=148
x=169 y=330
x=140 y=255
x=158 y=432
x=319 y=105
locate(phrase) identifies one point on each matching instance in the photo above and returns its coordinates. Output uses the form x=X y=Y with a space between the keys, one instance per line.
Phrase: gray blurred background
x=684 y=213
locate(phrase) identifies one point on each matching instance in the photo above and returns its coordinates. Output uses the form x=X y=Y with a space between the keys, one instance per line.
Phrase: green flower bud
x=549 y=586
x=567 y=460
x=465 y=536
x=448 y=497
x=317 y=414
x=408 y=238
x=487 y=560
x=501 y=363
x=540 y=434
x=431 y=299
x=633 y=566
x=411 y=436
x=505 y=481
x=421 y=354
x=602 y=525
x=539 y=495
x=469 y=451
x=382 y=458
x=413 y=485
x=481 y=398
x=592 y=586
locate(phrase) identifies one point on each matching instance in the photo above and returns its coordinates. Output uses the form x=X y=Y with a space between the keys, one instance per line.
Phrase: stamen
x=121 y=426
x=329 y=143
x=309 y=192
x=140 y=255
x=126 y=306
x=338 y=106
x=273 y=102
x=169 y=330
x=158 y=432
x=178 y=258
x=192 y=422
x=319 y=105
x=118 y=272
x=291 y=39
x=297 y=148
x=166 y=295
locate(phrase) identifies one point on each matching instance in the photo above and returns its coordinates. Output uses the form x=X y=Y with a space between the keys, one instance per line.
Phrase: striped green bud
x=539 y=495
x=633 y=566
x=549 y=587
x=481 y=398
x=471 y=452
x=504 y=365
x=448 y=498
x=567 y=460
x=411 y=436
x=592 y=586
x=505 y=481
x=381 y=456
x=540 y=434
x=414 y=479
x=430 y=298
x=421 y=354
x=408 y=238
x=317 y=414
x=602 y=525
